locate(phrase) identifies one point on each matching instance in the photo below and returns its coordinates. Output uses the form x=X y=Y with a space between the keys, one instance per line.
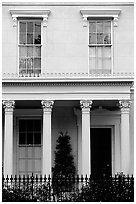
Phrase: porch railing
x=119 y=188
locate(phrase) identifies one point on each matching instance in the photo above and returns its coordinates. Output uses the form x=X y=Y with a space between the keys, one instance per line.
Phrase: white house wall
x=65 y=39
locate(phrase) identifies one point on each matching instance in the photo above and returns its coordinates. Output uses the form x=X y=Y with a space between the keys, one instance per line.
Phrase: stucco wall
x=66 y=40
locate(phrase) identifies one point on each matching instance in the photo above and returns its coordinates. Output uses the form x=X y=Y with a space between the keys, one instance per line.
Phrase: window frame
x=102 y=45
x=18 y=44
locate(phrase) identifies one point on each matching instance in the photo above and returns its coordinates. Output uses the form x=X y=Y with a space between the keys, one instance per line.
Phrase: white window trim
x=38 y=14
x=111 y=47
x=41 y=42
x=101 y=13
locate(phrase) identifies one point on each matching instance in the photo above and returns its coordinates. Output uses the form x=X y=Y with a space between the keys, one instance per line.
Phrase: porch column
x=77 y=112
x=86 y=153
x=8 y=137
x=46 y=151
x=125 y=138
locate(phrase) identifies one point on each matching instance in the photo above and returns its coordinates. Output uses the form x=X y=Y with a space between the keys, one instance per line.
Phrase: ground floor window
x=29 y=146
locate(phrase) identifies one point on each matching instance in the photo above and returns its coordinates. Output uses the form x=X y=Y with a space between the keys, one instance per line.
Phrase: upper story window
x=31 y=33
x=100 y=44
x=100 y=24
x=30 y=47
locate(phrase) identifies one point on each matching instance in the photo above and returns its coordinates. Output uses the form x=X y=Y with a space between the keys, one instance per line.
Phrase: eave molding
x=24 y=13
x=102 y=13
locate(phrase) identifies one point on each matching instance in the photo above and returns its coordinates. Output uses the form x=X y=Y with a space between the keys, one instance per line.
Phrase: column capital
x=124 y=105
x=86 y=104
x=8 y=105
x=47 y=105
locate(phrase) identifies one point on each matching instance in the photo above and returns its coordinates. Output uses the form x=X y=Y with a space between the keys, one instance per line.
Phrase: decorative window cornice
x=102 y=13
x=44 y=14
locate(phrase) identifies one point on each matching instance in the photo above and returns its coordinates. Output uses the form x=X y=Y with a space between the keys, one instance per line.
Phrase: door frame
x=112 y=144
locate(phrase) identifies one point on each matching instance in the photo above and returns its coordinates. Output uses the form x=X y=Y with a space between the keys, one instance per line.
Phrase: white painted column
x=86 y=145
x=8 y=137
x=46 y=150
x=77 y=112
x=125 y=137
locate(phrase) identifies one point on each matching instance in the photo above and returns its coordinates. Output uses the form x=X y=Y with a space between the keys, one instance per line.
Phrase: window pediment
x=100 y=13
x=30 y=13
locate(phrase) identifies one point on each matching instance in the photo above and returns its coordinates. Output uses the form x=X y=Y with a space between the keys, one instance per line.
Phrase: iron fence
x=61 y=188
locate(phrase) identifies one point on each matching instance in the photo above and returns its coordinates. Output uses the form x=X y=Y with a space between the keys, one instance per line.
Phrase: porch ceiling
x=36 y=104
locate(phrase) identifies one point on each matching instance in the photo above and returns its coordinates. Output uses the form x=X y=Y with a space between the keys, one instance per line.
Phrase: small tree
x=64 y=162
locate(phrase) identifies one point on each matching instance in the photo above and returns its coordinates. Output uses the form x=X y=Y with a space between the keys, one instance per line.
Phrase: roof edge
x=67 y=3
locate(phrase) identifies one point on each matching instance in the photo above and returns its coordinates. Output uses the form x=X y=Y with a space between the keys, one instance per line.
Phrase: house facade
x=68 y=67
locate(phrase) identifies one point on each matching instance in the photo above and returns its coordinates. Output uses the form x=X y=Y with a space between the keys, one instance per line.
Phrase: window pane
x=22 y=125
x=107 y=39
x=99 y=27
x=92 y=27
x=37 y=27
x=107 y=52
x=22 y=71
x=29 y=38
x=22 y=63
x=23 y=27
x=99 y=38
x=107 y=27
x=99 y=51
x=37 y=51
x=99 y=64
x=37 y=38
x=37 y=63
x=22 y=51
x=107 y=63
x=29 y=51
x=22 y=138
x=37 y=125
x=29 y=138
x=29 y=63
x=37 y=138
x=29 y=125
x=29 y=27
x=92 y=38
x=22 y=38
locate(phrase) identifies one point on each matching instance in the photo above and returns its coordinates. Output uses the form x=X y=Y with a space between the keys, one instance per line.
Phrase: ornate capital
x=124 y=104
x=86 y=104
x=8 y=105
x=47 y=105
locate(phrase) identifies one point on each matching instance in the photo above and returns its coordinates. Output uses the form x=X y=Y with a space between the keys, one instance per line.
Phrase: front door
x=29 y=147
x=100 y=152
